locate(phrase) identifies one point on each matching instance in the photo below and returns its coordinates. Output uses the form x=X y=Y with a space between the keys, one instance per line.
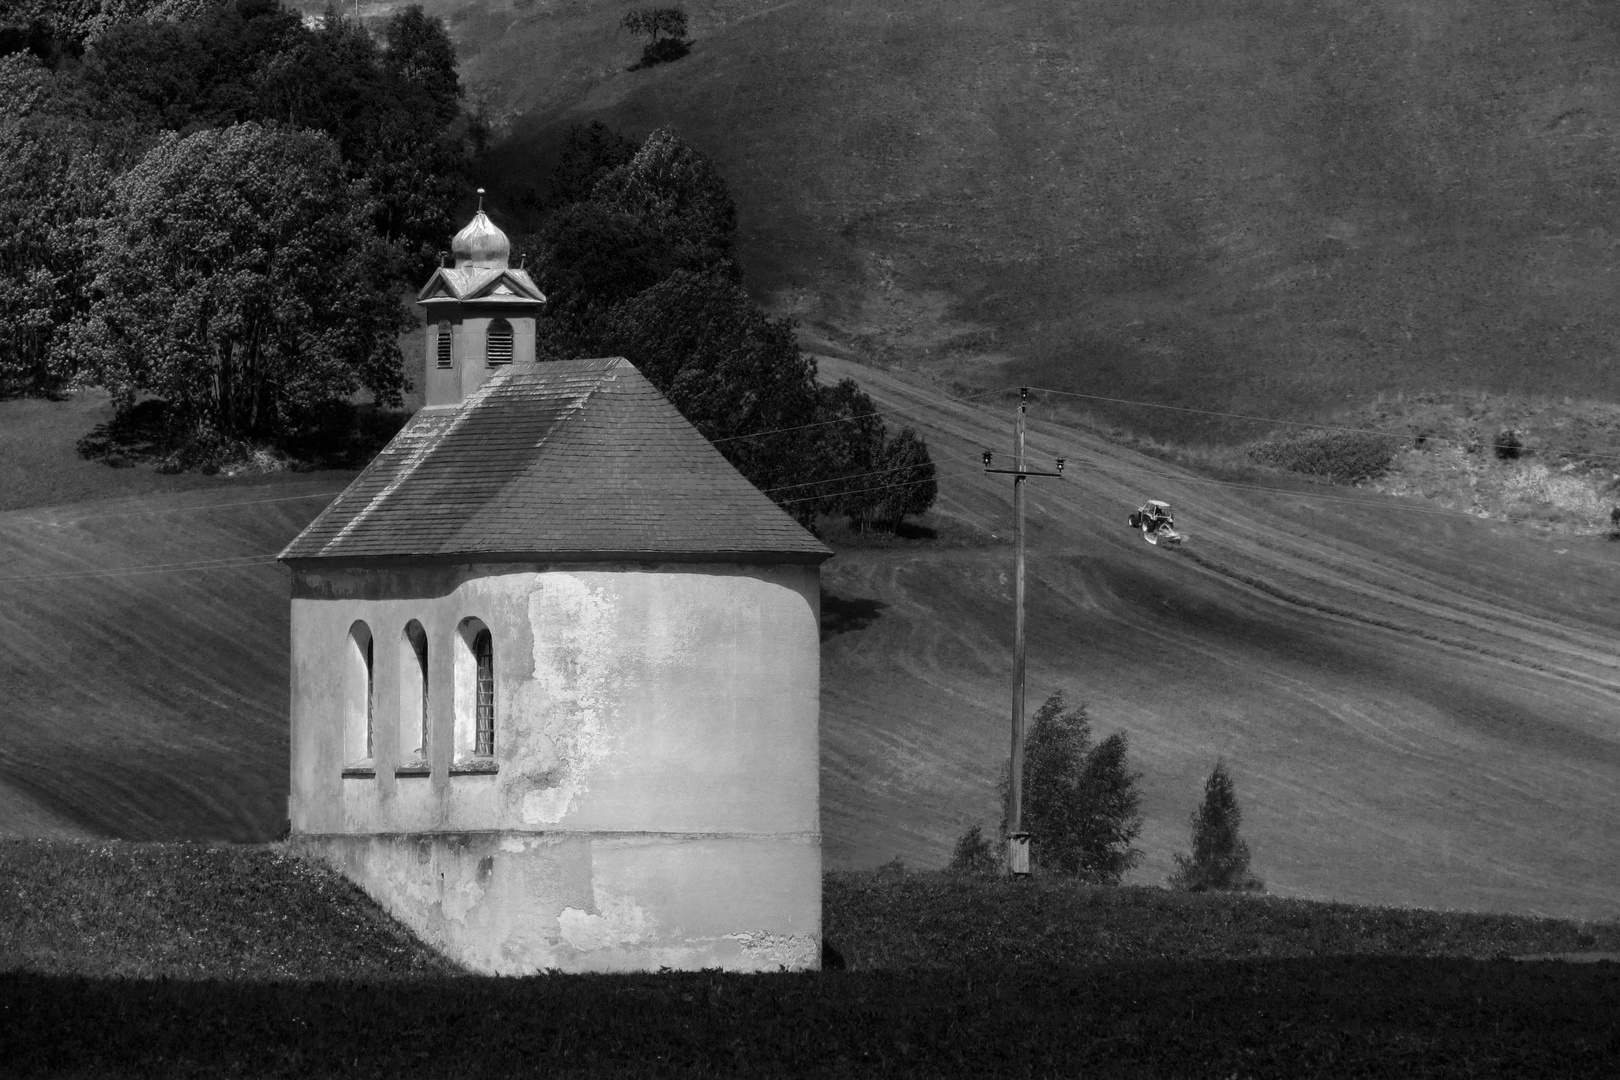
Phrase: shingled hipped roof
x=576 y=459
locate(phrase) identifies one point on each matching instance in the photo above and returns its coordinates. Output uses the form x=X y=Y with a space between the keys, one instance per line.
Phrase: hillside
x=1265 y=207
x=1418 y=708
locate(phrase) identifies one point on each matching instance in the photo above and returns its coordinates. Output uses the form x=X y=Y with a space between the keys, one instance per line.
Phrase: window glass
x=484 y=655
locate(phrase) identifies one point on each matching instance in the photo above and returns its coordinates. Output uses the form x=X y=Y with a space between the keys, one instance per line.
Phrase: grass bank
x=189 y=960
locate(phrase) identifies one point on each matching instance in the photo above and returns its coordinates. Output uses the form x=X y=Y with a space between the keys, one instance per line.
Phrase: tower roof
x=481 y=244
x=572 y=460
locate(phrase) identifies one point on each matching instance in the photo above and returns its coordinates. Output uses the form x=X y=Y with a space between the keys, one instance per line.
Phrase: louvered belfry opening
x=484 y=656
x=443 y=344
x=498 y=343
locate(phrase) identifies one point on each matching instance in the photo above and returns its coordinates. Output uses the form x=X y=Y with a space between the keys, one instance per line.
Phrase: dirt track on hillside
x=1419 y=708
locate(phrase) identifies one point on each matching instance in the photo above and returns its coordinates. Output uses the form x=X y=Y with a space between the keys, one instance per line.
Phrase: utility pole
x=1017 y=838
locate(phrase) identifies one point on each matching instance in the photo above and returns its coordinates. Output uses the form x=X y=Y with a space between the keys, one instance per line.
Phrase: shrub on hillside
x=1081 y=804
x=1220 y=858
x=1508 y=445
x=1343 y=456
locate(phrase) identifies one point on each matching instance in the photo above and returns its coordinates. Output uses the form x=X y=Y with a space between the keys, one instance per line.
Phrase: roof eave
x=751 y=557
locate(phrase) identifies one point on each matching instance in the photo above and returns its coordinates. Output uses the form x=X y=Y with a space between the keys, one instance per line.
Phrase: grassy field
x=1419 y=708
x=1267 y=206
x=185 y=960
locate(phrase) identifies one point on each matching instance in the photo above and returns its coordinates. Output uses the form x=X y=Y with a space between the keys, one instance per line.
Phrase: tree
x=974 y=855
x=675 y=190
x=394 y=113
x=899 y=483
x=50 y=180
x=730 y=369
x=1081 y=804
x=238 y=277
x=1220 y=858
x=656 y=21
x=643 y=266
x=670 y=22
x=417 y=51
x=590 y=152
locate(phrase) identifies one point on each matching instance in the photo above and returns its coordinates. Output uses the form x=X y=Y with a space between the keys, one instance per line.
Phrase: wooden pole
x=1017 y=838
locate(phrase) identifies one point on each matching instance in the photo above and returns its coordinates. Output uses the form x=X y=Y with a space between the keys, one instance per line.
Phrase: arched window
x=413 y=693
x=484 y=658
x=359 y=693
x=443 y=343
x=498 y=343
x=477 y=700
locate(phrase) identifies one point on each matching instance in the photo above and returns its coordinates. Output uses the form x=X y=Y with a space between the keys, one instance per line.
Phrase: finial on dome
x=481 y=244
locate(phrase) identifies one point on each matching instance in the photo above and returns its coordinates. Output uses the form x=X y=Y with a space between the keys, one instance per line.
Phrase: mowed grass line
x=186 y=960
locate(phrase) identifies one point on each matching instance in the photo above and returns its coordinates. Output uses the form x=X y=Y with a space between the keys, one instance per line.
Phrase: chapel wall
x=676 y=698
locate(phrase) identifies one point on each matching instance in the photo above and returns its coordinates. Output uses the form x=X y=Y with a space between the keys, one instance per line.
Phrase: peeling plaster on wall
x=771 y=950
x=618 y=922
x=575 y=645
x=460 y=900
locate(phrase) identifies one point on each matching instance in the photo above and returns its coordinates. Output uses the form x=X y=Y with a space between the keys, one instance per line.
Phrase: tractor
x=1154 y=519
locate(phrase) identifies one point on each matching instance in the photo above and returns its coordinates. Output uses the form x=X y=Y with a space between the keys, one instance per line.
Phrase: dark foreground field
x=1338 y=1016
x=185 y=960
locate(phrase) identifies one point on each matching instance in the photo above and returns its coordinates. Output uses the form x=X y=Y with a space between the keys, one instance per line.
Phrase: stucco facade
x=653 y=795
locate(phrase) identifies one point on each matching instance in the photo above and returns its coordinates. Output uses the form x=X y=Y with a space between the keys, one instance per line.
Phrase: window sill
x=474 y=766
x=417 y=766
x=364 y=769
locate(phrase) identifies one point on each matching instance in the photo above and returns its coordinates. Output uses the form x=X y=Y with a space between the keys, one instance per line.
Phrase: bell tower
x=480 y=313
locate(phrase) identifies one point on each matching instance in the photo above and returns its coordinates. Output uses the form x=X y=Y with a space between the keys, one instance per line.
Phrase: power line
x=875 y=487
x=934 y=402
x=232 y=563
x=182 y=509
x=851 y=476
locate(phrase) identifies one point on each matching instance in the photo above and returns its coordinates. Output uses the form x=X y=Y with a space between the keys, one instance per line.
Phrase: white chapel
x=555 y=666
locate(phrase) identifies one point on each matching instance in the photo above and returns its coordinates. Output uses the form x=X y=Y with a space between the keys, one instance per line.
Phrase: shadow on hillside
x=343 y=435
x=136 y=435
x=840 y=615
x=337 y=435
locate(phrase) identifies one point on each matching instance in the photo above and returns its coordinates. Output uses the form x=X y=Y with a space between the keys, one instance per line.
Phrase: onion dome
x=481 y=244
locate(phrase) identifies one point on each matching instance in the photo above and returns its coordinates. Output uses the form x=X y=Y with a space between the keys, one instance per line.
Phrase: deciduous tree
x=238 y=277
x=1081 y=804
x=666 y=33
x=675 y=190
x=50 y=179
